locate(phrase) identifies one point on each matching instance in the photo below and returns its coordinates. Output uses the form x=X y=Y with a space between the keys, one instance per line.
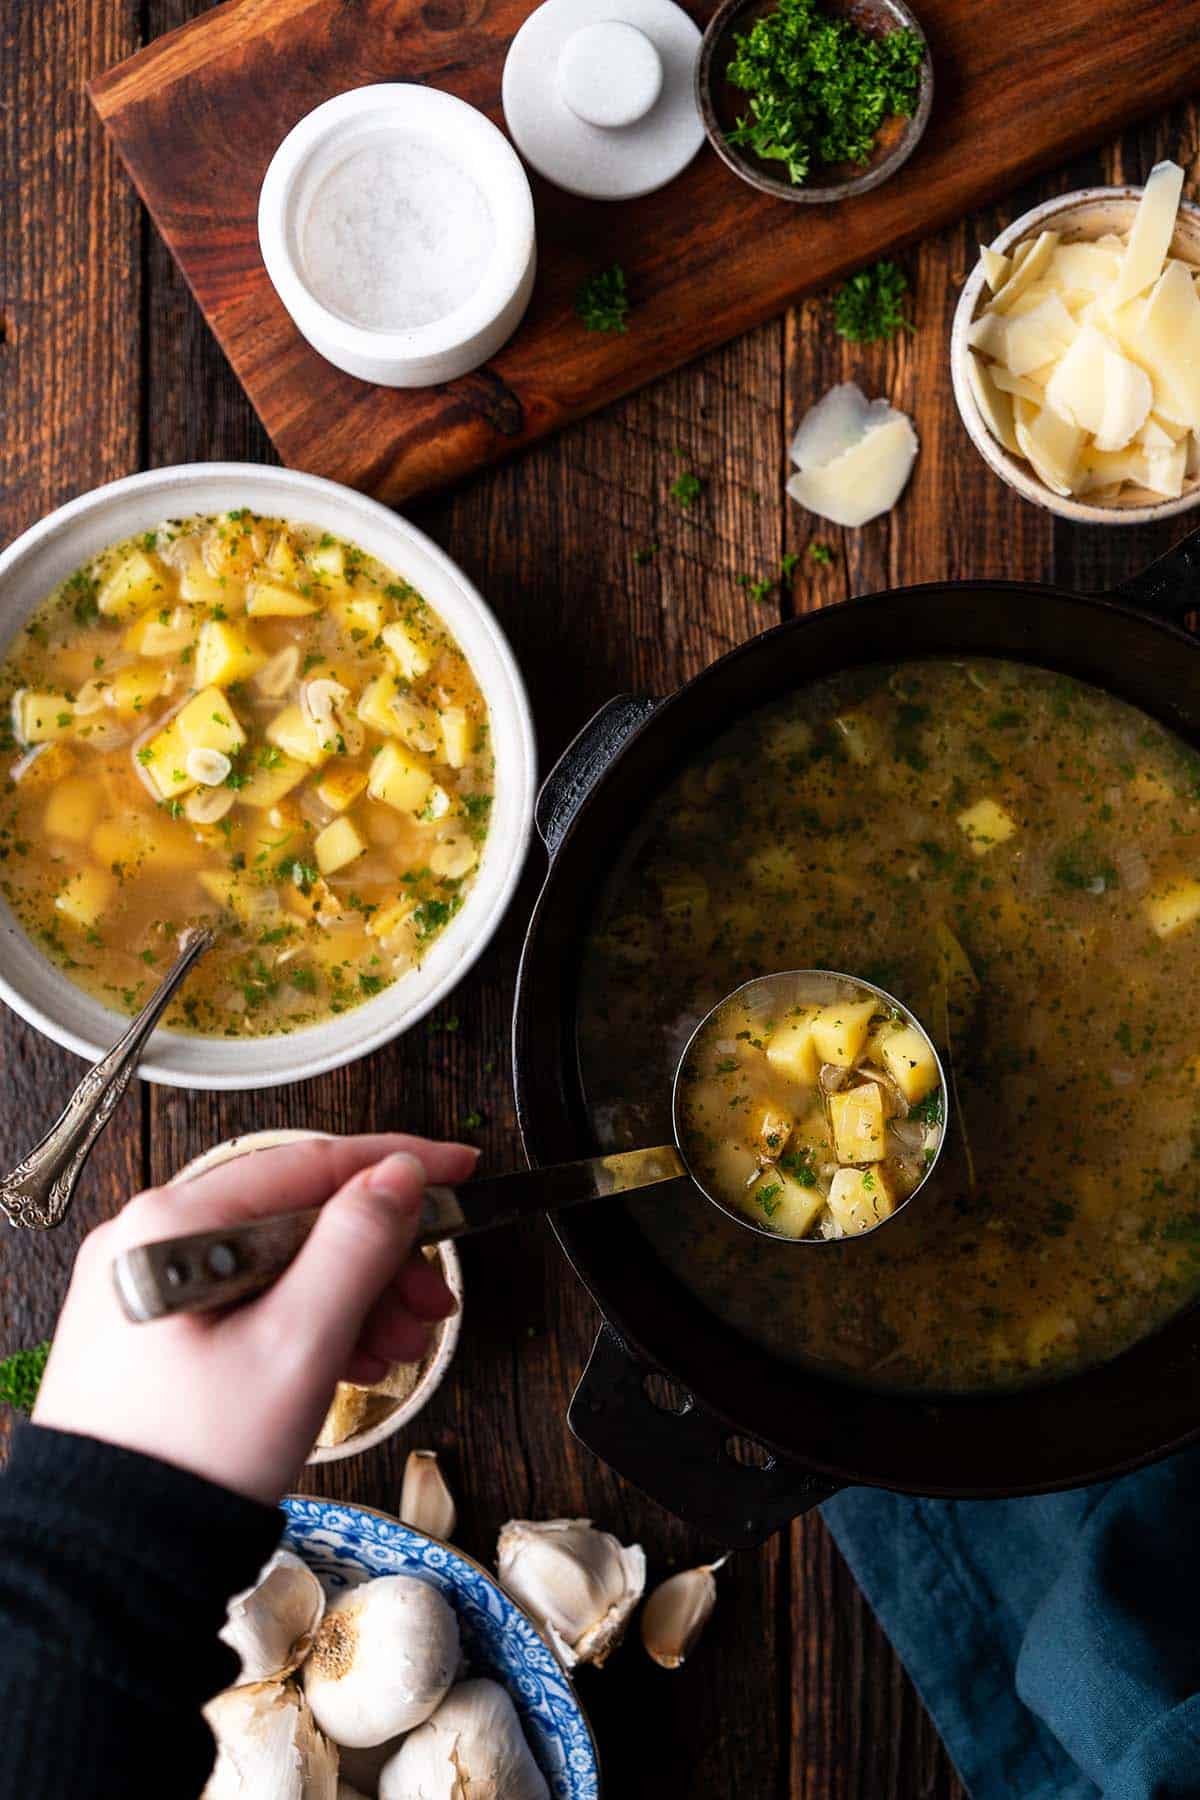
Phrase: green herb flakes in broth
x=945 y=830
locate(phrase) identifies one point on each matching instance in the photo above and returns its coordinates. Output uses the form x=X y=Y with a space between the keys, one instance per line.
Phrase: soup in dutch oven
x=1017 y=855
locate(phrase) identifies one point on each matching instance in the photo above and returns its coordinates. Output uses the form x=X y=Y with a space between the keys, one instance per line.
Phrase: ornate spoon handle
x=39 y=1190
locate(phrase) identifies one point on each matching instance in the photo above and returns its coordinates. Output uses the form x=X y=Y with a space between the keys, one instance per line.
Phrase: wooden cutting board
x=196 y=116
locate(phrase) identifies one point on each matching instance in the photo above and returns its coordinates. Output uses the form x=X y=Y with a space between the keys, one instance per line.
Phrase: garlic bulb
x=426 y=1503
x=677 y=1612
x=272 y=1624
x=578 y=1584
x=472 y=1748
x=267 y=1744
x=384 y=1656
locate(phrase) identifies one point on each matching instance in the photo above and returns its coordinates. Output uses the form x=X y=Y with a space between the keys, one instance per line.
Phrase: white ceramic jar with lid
x=396 y=224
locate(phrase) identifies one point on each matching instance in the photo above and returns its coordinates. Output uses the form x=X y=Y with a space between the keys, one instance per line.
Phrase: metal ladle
x=204 y=1270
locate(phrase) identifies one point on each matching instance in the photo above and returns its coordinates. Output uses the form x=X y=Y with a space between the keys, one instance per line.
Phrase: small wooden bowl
x=721 y=104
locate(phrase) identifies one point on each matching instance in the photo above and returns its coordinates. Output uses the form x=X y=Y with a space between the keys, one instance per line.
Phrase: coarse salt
x=396 y=235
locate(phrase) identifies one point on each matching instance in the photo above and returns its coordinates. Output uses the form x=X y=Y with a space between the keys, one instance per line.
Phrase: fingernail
x=399 y=1177
x=475 y=1150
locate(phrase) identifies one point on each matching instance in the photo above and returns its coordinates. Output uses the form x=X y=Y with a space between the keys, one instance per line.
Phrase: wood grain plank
x=198 y=116
x=551 y=542
x=70 y=379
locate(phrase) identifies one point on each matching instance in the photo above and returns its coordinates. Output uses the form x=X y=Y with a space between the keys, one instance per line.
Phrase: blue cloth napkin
x=1056 y=1641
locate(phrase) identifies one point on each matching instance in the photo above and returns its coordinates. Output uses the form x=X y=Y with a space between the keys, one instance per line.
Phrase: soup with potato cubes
x=241 y=720
x=811 y=1104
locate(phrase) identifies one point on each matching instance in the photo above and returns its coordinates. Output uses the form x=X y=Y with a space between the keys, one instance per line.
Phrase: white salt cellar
x=396 y=224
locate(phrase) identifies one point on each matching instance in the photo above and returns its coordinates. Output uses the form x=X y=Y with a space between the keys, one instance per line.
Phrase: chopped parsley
x=819 y=87
x=870 y=306
x=603 y=300
x=687 y=489
x=21 y=1377
x=769 y=1197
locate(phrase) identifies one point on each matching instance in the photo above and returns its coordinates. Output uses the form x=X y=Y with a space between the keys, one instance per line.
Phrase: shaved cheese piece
x=1038 y=337
x=1165 y=470
x=1127 y=395
x=1191 y=446
x=995 y=405
x=989 y=333
x=1168 y=345
x=1031 y=268
x=1076 y=388
x=1032 y=298
x=1021 y=252
x=1158 y=471
x=1150 y=234
x=1085 y=266
x=835 y=423
x=864 y=481
x=996 y=267
x=1024 y=385
x=1152 y=436
x=1052 y=444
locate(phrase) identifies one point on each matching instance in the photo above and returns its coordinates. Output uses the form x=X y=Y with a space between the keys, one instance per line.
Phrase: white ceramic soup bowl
x=50 y=550
x=1086 y=214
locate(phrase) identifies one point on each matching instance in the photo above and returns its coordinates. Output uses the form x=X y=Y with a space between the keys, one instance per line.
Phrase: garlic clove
x=383 y=1658
x=426 y=1502
x=205 y=805
x=267 y=1743
x=472 y=1744
x=209 y=767
x=276 y=676
x=321 y=698
x=677 y=1612
x=579 y=1585
x=272 y=1624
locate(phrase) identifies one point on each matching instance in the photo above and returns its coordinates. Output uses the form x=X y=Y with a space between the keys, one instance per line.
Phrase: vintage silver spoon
x=208 y=1269
x=36 y=1194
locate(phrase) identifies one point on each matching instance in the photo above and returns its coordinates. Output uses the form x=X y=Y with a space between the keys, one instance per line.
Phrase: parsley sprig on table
x=819 y=87
x=21 y=1377
x=603 y=300
x=870 y=306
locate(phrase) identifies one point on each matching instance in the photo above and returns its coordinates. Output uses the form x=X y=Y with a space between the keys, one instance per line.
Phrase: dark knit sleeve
x=115 y=1571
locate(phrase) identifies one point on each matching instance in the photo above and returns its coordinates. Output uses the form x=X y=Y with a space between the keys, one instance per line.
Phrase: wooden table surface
x=105 y=368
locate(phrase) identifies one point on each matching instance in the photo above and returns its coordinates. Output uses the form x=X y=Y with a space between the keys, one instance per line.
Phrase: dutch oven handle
x=584 y=761
x=1170 y=587
x=681 y=1454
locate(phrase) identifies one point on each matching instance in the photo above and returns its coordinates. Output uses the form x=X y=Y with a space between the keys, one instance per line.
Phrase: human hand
x=239 y=1396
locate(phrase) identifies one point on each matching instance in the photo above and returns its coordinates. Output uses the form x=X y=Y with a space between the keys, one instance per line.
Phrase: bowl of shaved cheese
x=1075 y=353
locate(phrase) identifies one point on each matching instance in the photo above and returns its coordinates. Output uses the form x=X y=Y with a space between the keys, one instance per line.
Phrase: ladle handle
x=208 y=1269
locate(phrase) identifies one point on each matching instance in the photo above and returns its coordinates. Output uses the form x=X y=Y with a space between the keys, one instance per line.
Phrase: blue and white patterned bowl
x=344 y=1545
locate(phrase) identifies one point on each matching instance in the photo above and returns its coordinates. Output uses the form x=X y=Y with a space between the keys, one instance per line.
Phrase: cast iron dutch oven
x=818 y=1434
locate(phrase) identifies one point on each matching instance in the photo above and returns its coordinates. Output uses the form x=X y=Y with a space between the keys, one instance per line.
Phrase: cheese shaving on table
x=853 y=457
x=1085 y=361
